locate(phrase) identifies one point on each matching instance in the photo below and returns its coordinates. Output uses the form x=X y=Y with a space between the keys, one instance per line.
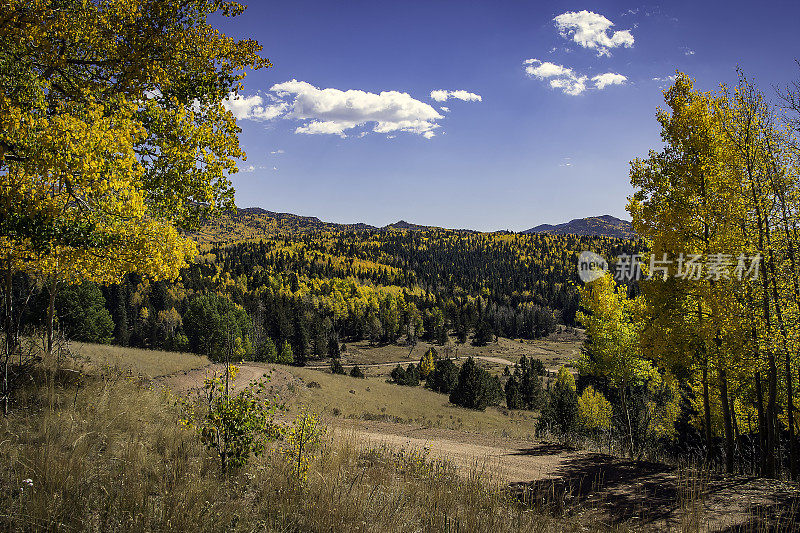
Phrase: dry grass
x=554 y=351
x=375 y=399
x=106 y=454
x=145 y=363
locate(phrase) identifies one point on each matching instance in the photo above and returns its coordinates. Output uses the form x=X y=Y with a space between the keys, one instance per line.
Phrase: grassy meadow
x=557 y=349
x=145 y=363
x=375 y=399
x=104 y=452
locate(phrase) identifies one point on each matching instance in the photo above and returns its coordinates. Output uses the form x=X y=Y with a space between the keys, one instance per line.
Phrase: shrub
x=302 y=440
x=476 y=388
x=233 y=426
x=356 y=372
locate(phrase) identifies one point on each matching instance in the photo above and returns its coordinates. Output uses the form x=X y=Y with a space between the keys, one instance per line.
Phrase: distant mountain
x=604 y=225
x=253 y=223
x=403 y=225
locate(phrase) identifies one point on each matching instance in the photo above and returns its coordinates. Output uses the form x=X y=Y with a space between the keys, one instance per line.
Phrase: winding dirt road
x=645 y=495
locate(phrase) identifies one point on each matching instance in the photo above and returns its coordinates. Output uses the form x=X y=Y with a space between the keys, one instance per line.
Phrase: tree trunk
x=726 y=414
x=707 y=412
x=762 y=424
x=8 y=327
x=51 y=306
x=790 y=419
x=772 y=415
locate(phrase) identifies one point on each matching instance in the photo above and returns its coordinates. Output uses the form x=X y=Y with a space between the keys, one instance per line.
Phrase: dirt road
x=646 y=495
x=488 y=359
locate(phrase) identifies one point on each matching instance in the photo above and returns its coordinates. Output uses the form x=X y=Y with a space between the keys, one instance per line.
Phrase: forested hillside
x=302 y=291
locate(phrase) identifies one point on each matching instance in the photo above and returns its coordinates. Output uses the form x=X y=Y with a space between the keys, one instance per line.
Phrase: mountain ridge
x=255 y=222
x=605 y=225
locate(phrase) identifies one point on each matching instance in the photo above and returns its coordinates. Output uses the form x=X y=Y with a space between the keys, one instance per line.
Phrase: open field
x=373 y=416
x=339 y=397
x=554 y=351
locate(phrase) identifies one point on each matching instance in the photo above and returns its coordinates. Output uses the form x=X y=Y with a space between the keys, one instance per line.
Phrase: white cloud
x=252 y=107
x=278 y=151
x=334 y=112
x=688 y=52
x=440 y=95
x=445 y=109
x=590 y=30
x=566 y=79
x=560 y=77
x=601 y=81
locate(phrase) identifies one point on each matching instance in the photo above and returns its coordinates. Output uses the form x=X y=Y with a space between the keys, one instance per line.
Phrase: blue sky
x=344 y=126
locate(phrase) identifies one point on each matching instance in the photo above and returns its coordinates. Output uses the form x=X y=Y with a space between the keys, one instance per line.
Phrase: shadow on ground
x=656 y=496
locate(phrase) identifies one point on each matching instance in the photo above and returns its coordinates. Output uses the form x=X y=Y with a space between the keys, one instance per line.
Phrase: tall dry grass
x=106 y=454
x=147 y=363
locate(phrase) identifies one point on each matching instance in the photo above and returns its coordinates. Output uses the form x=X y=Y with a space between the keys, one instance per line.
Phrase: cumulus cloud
x=560 y=77
x=253 y=107
x=567 y=80
x=334 y=112
x=601 y=81
x=590 y=30
x=328 y=111
x=441 y=95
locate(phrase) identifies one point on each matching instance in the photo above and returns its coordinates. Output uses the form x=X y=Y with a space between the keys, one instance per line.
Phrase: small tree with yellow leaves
x=428 y=363
x=302 y=440
x=594 y=412
x=237 y=425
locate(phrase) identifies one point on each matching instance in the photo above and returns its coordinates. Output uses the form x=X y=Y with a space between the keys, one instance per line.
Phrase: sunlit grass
x=108 y=455
x=375 y=399
x=146 y=363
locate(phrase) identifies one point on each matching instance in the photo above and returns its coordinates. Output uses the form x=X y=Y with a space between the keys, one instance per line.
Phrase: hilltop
x=254 y=222
x=604 y=225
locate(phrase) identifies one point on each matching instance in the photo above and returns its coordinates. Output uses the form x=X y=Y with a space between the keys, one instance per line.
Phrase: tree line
x=702 y=353
x=307 y=294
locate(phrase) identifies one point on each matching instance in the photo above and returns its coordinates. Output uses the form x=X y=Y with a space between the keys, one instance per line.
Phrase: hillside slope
x=253 y=223
x=604 y=225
